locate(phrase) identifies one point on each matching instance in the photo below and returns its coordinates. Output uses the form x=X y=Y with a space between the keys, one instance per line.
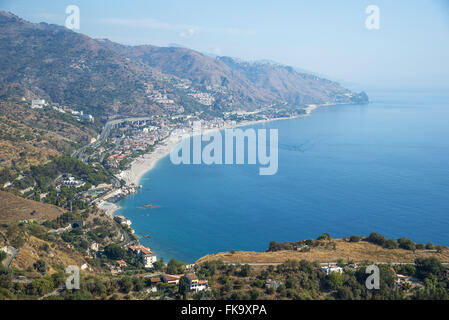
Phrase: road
x=103 y=136
x=55 y=292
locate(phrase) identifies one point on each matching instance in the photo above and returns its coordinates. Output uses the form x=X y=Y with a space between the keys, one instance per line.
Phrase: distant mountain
x=107 y=78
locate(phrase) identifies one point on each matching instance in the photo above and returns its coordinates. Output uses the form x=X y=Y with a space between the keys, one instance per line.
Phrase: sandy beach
x=108 y=207
x=142 y=165
x=145 y=163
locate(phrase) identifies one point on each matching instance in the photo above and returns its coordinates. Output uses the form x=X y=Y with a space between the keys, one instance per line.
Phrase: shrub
x=426 y=267
x=390 y=244
x=324 y=236
x=376 y=238
x=407 y=244
x=354 y=239
x=40 y=266
x=114 y=252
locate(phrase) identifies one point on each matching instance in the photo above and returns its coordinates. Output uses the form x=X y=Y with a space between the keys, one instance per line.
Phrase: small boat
x=146 y=236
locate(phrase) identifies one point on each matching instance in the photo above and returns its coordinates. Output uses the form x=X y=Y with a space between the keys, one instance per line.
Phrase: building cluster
x=79 y=115
x=38 y=104
x=202 y=97
x=144 y=254
x=68 y=180
x=331 y=268
x=194 y=283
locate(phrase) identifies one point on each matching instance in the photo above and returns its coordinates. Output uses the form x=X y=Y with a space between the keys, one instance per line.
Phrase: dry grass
x=14 y=208
x=58 y=253
x=30 y=137
x=348 y=251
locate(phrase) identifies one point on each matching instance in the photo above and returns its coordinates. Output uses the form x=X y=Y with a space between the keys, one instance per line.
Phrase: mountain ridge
x=107 y=78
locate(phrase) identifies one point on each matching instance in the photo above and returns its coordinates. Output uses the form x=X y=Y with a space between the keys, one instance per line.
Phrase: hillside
x=348 y=251
x=106 y=78
x=31 y=137
x=14 y=208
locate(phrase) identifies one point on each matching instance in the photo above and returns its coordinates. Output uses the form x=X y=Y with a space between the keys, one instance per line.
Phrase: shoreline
x=145 y=163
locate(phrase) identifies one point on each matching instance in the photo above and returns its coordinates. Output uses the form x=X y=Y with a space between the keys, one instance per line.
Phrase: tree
x=174 y=266
x=254 y=294
x=245 y=271
x=407 y=244
x=325 y=236
x=376 y=238
x=344 y=293
x=40 y=266
x=183 y=287
x=390 y=244
x=126 y=284
x=335 y=280
x=426 y=267
x=272 y=246
x=2 y=256
x=114 y=252
x=139 y=284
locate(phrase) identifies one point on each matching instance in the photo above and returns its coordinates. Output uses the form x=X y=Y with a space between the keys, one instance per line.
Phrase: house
x=171 y=279
x=191 y=266
x=138 y=249
x=194 y=283
x=95 y=247
x=148 y=259
x=121 y=264
x=328 y=269
x=144 y=254
x=404 y=279
x=153 y=286
x=155 y=280
x=87 y=117
x=71 y=181
x=122 y=220
x=113 y=269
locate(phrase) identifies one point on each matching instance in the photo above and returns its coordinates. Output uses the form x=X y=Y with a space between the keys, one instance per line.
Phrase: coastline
x=145 y=163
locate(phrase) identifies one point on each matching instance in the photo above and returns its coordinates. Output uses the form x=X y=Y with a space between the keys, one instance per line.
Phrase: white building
x=71 y=181
x=148 y=259
x=87 y=117
x=38 y=104
x=123 y=220
x=195 y=284
x=328 y=269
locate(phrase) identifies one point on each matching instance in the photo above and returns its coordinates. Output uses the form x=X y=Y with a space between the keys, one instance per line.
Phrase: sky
x=328 y=37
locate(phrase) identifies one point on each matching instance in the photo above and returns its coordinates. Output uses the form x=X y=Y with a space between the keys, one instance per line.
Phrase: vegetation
x=302 y=280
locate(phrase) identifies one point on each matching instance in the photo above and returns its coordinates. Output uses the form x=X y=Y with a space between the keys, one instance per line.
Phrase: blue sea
x=345 y=170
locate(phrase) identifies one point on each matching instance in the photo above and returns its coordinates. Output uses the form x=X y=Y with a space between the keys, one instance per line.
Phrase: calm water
x=344 y=170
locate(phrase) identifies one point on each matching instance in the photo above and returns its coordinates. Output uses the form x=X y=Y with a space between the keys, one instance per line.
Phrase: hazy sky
x=327 y=37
